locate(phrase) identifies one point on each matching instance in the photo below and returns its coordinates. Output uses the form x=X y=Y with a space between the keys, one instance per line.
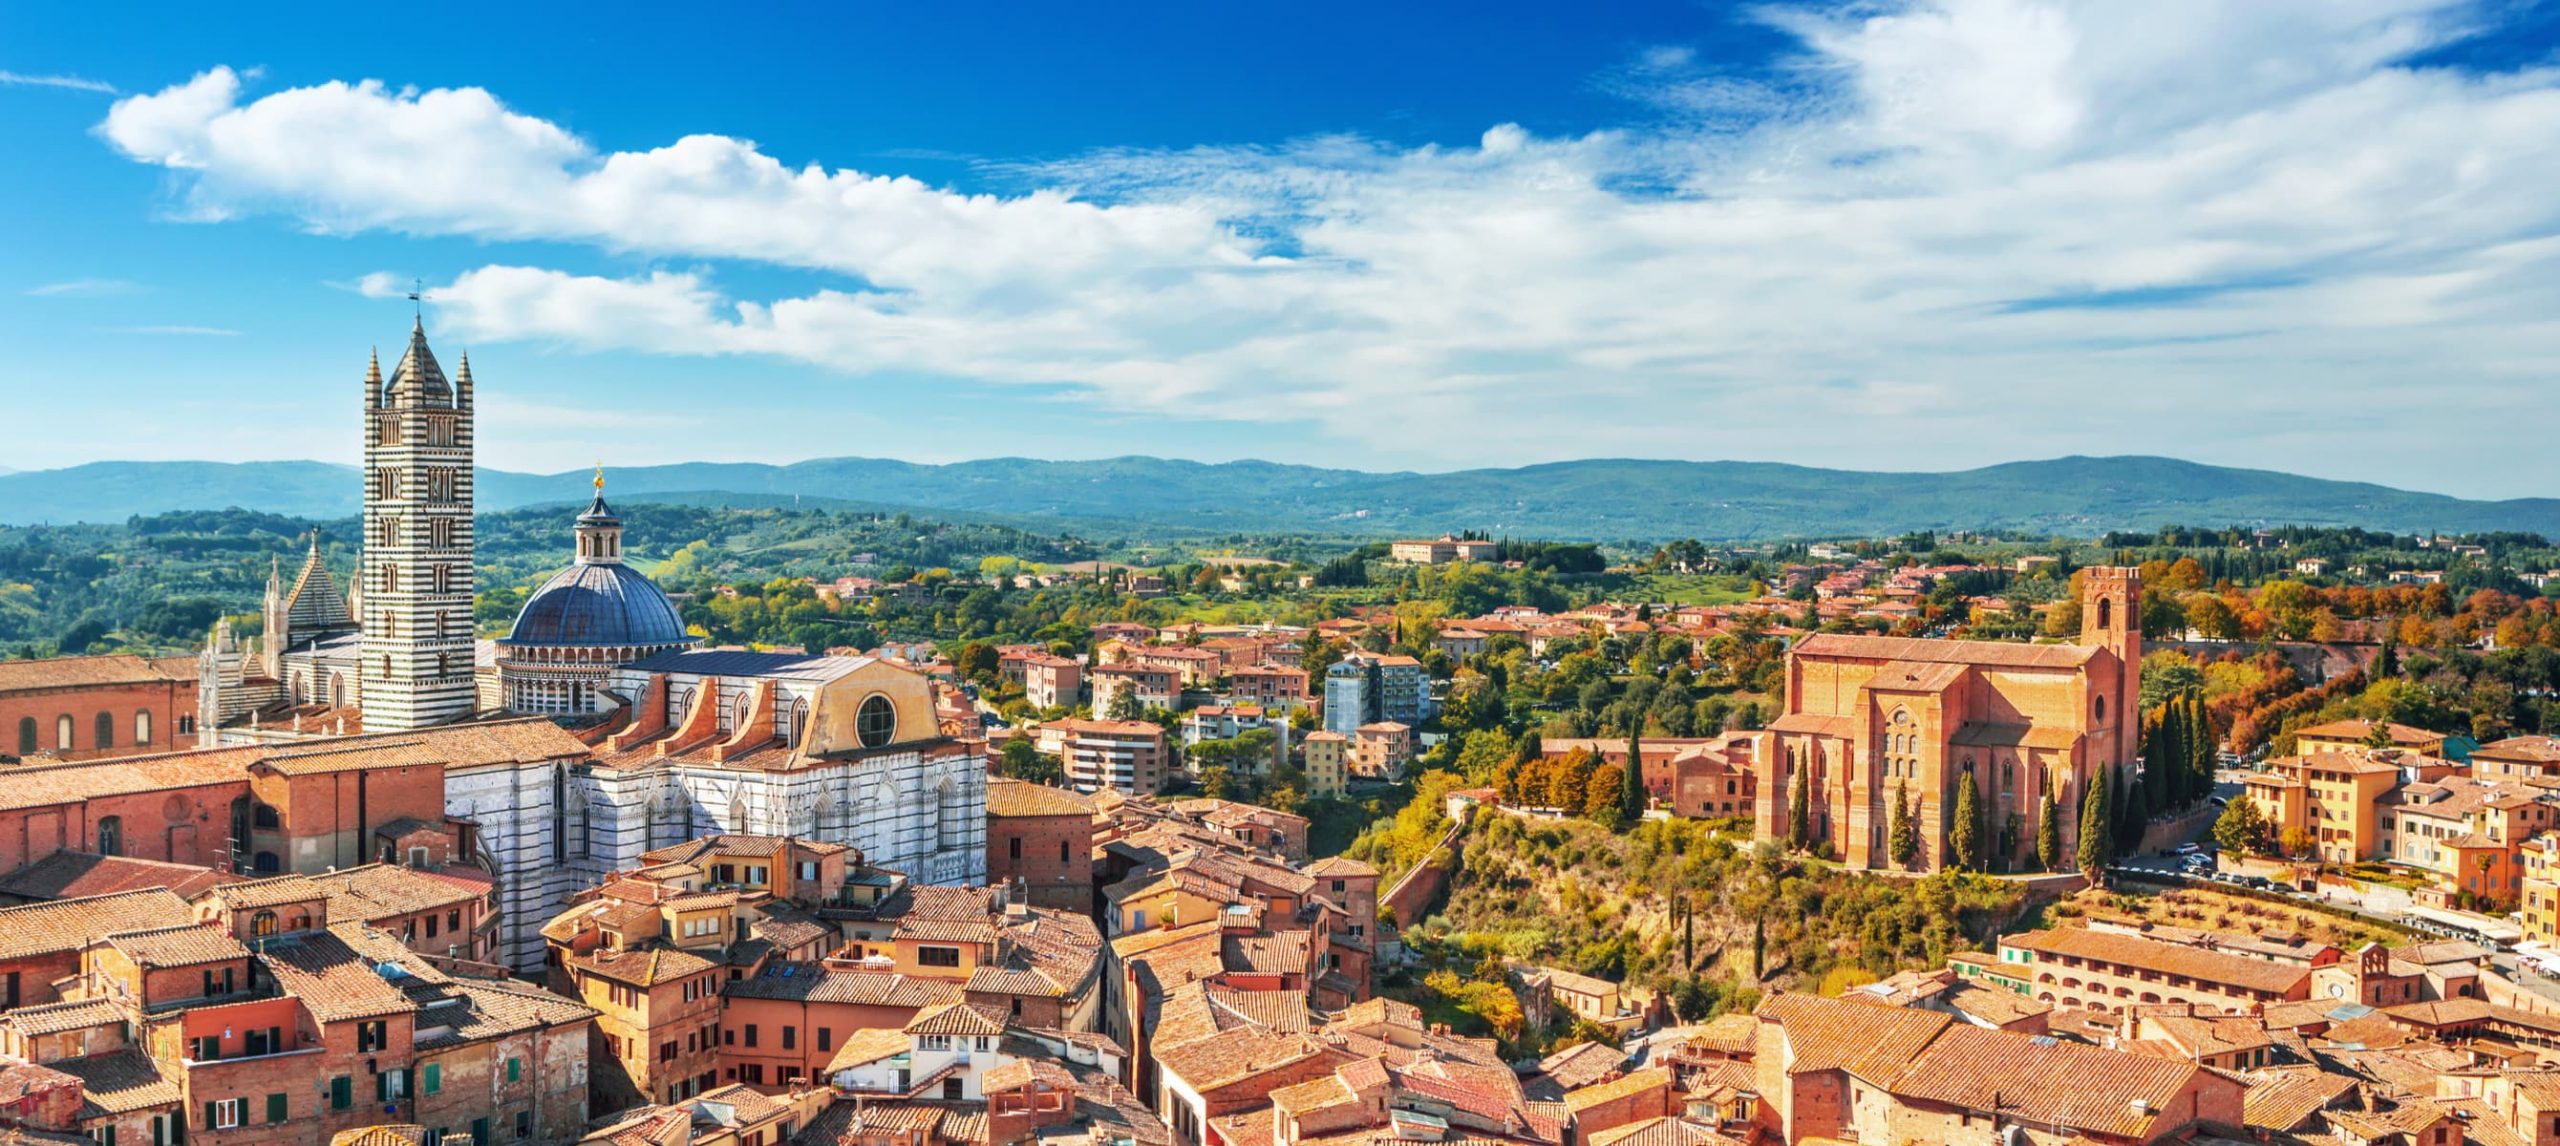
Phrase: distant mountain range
x=1609 y=499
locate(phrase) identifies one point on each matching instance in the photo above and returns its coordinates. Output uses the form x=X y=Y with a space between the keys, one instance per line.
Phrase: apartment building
x=1052 y=682
x=2097 y=971
x=1365 y=688
x=1440 y=550
x=1128 y=756
x=1274 y=687
x=1380 y=750
x=1150 y=688
x=2356 y=735
x=2335 y=797
x=1327 y=756
x=2467 y=832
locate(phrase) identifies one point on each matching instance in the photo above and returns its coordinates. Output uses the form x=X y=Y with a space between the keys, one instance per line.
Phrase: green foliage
x=1021 y=761
x=2240 y=830
x=1964 y=837
x=2097 y=826
x=1631 y=795
x=1904 y=831
x=2048 y=834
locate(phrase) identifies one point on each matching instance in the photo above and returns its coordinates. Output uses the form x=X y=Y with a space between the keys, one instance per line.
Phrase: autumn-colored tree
x=1600 y=802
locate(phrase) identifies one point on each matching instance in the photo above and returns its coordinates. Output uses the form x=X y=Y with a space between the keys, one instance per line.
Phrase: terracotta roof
x=73 y=875
x=183 y=946
x=1018 y=798
x=2044 y=1080
x=646 y=967
x=1991 y=653
x=71 y=924
x=1583 y=1064
x=120 y=1083
x=354 y=755
x=868 y=1045
x=1661 y=1131
x=2283 y=1099
x=1632 y=1083
x=819 y=983
x=945 y=930
x=1235 y=1056
x=93 y=672
x=1870 y=1040
x=2210 y=967
x=1338 y=867
x=954 y=1019
x=381 y=891
x=274 y=891
x=55 y=1018
x=331 y=979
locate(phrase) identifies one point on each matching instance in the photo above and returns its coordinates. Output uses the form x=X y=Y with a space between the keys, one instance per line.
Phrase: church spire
x=373 y=379
x=599 y=530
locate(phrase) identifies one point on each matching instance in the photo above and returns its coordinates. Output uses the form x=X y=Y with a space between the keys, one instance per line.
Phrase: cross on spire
x=417 y=299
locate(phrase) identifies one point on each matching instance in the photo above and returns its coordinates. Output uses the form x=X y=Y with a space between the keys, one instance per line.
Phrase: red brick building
x=79 y=708
x=1042 y=837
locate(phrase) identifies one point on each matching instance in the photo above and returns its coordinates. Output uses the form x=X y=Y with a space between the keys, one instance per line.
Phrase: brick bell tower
x=416 y=578
x=2111 y=619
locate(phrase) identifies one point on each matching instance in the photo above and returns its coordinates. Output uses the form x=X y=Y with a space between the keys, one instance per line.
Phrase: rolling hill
x=1599 y=498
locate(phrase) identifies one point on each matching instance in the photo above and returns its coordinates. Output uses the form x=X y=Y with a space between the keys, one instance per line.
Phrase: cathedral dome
x=598 y=604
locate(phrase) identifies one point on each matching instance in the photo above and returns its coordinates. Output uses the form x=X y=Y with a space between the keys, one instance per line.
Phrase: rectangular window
x=1014 y=845
x=277 y=1109
x=342 y=1092
x=938 y=956
x=751 y=1034
x=515 y=1069
x=372 y=1036
x=826 y=1038
x=524 y=1124
x=224 y=1114
x=790 y=1038
x=207 y=1048
x=434 y=1082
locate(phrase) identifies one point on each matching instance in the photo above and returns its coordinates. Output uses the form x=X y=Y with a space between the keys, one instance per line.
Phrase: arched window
x=263 y=816
x=26 y=736
x=111 y=836
x=876 y=722
x=2106 y=612
x=142 y=728
x=792 y=722
x=106 y=724
x=263 y=923
x=739 y=714
x=62 y=733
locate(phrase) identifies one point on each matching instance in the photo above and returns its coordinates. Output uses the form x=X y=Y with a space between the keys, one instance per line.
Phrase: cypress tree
x=1799 y=812
x=1531 y=747
x=2202 y=750
x=2049 y=834
x=1964 y=841
x=1904 y=833
x=2164 y=757
x=1631 y=782
x=2096 y=832
x=2128 y=813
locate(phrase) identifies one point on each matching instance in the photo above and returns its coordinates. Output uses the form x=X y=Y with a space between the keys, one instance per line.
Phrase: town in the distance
x=655 y=822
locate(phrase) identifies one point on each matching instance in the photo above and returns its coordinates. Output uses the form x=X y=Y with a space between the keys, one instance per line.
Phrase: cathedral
x=1872 y=721
x=678 y=742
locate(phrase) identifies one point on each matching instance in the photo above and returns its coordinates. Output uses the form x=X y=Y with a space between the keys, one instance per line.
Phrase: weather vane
x=417 y=298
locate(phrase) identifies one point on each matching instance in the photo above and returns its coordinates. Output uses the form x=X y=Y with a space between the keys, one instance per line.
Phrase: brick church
x=1870 y=717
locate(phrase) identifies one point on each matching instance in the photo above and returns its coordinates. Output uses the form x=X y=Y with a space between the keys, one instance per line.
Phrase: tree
x=2127 y=811
x=2097 y=831
x=2049 y=834
x=2240 y=830
x=1601 y=802
x=2296 y=842
x=1631 y=784
x=1799 y=812
x=1124 y=705
x=1021 y=761
x=1964 y=838
x=1905 y=833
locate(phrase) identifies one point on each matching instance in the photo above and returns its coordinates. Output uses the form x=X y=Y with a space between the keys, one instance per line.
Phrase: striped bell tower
x=416 y=582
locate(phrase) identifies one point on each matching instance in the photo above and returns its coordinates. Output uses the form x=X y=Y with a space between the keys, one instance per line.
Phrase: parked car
x=2260 y=882
x=2190 y=849
x=2280 y=885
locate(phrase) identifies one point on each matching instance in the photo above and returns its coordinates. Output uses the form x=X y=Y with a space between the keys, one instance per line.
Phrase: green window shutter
x=480 y=1131
x=435 y=1078
x=210 y=1118
x=515 y=1069
x=342 y=1092
x=276 y=1110
x=382 y=1087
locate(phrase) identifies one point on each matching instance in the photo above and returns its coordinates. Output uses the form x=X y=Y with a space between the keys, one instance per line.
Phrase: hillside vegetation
x=1592 y=499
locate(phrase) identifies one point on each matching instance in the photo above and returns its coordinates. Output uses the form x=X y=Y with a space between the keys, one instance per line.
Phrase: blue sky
x=2314 y=236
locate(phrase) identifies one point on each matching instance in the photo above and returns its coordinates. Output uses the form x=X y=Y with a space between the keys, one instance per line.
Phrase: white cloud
x=72 y=83
x=84 y=288
x=1942 y=234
